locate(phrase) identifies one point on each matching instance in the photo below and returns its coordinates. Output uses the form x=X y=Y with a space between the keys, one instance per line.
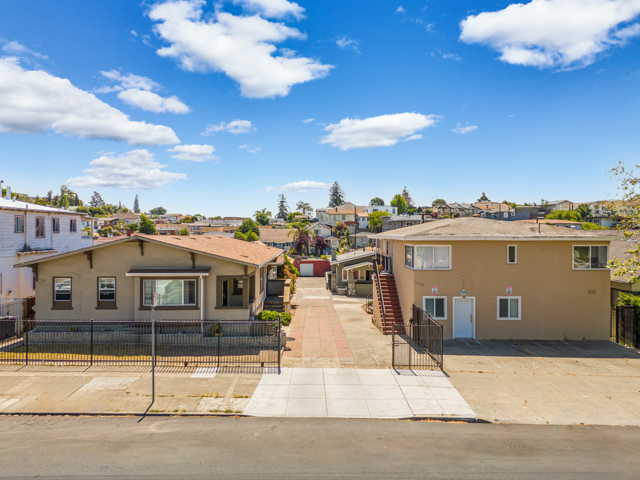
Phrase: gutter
x=451 y=238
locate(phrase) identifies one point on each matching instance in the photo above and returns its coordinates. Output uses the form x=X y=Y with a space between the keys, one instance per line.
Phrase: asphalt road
x=252 y=448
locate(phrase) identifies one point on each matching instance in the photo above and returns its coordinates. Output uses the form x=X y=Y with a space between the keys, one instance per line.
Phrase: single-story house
x=491 y=279
x=200 y=277
x=352 y=273
x=278 y=237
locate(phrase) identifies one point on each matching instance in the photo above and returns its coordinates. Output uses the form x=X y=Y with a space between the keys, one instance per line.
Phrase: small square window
x=508 y=308
x=436 y=307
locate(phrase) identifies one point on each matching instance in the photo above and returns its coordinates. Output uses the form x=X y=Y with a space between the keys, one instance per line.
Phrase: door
x=464 y=312
x=306 y=269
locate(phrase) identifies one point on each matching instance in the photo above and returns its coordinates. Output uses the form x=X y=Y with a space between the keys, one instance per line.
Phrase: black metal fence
x=418 y=345
x=627 y=326
x=171 y=342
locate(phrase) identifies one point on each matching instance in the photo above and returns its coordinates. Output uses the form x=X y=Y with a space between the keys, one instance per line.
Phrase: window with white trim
x=171 y=292
x=508 y=308
x=39 y=227
x=62 y=292
x=512 y=254
x=435 y=307
x=345 y=275
x=588 y=257
x=107 y=289
x=18 y=224
x=427 y=257
x=55 y=225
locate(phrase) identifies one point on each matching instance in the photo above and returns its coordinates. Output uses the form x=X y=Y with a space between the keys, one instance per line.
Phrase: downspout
x=201 y=305
x=26 y=227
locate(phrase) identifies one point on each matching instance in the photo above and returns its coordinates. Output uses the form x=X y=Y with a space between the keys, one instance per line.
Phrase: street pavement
x=307 y=448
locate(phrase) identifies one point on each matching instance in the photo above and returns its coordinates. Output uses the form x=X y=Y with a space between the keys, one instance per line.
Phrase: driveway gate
x=418 y=345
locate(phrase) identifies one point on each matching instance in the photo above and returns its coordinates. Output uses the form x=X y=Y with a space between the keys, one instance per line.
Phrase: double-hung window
x=345 y=275
x=590 y=257
x=18 y=224
x=62 y=292
x=427 y=257
x=39 y=227
x=508 y=308
x=73 y=225
x=170 y=293
x=55 y=225
x=512 y=254
x=435 y=307
x=106 y=292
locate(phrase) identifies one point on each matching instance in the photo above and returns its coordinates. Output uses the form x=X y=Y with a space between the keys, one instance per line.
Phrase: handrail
x=380 y=299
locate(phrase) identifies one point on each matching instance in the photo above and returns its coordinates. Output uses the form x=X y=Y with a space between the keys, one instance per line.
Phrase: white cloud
x=344 y=42
x=136 y=90
x=400 y=9
x=554 y=33
x=35 y=101
x=464 y=130
x=236 y=127
x=136 y=169
x=15 y=48
x=273 y=8
x=249 y=149
x=192 y=153
x=240 y=46
x=382 y=131
x=308 y=120
x=299 y=187
x=134 y=33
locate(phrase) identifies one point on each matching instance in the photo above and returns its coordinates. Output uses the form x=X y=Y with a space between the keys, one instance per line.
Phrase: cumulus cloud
x=382 y=131
x=15 y=48
x=136 y=169
x=35 y=101
x=136 y=91
x=464 y=130
x=192 y=153
x=299 y=187
x=272 y=8
x=236 y=127
x=554 y=33
x=242 y=47
x=344 y=42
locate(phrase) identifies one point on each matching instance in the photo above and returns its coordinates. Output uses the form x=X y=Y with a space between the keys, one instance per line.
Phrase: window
x=589 y=257
x=171 y=293
x=106 y=292
x=505 y=214
x=508 y=308
x=73 y=225
x=512 y=254
x=39 y=227
x=345 y=275
x=344 y=217
x=427 y=257
x=513 y=214
x=435 y=307
x=356 y=275
x=62 y=292
x=55 y=225
x=18 y=224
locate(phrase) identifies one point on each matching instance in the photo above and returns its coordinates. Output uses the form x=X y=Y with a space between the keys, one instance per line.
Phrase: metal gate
x=627 y=325
x=417 y=346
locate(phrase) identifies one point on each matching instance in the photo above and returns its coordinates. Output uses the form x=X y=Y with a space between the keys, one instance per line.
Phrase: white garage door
x=306 y=269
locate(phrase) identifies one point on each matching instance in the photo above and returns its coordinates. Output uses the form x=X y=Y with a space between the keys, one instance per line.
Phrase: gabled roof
x=6 y=204
x=354 y=255
x=277 y=235
x=217 y=246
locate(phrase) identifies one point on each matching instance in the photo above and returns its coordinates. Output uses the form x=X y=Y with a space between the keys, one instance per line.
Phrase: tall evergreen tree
x=407 y=197
x=50 y=197
x=136 y=205
x=96 y=200
x=484 y=198
x=304 y=207
x=283 y=208
x=336 y=195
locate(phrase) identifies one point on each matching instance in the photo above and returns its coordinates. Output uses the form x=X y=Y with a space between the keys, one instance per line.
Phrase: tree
x=339 y=229
x=249 y=236
x=283 y=208
x=50 y=197
x=158 y=211
x=96 y=200
x=133 y=227
x=249 y=226
x=438 y=202
x=263 y=211
x=585 y=212
x=320 y=245
x=184 y=231
x=375 y=220
x=136 y=205
x=376 y=201
x=304 y=207
x=66 y=198
x=399 y=201
x=146 y=225
x=570 y=215
x=187 y=220
x=407 y=197
x=511 y=204
x=336 y=195
x=301 y=244
x=292 y=217
x=105 y=232
x=484 y=198
x=262 y=218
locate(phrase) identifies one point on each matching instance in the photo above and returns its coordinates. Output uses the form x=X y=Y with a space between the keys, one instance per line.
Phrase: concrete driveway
x=547 y=382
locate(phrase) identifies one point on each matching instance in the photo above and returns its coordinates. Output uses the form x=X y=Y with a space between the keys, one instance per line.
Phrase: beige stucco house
x=208 y=277
x=490 y=279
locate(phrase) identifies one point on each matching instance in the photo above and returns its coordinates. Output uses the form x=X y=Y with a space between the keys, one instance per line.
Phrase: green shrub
x=325 y=257
x=592 y=226
x=271 y=316
x=286 y=319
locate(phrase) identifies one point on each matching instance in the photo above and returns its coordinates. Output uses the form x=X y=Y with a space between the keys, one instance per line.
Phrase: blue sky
x=217 y=108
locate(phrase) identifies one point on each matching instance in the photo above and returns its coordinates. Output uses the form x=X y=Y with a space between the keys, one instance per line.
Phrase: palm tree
x=265 y=211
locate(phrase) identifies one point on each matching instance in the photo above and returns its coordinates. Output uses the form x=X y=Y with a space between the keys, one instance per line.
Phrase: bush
x=592 y=226
x=324 y=257
x=271 y=316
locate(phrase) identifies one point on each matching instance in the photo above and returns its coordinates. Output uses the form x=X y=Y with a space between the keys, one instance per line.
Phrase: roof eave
x=487 y=238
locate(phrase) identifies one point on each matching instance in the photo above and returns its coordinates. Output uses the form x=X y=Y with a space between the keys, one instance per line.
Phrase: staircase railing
x=380 y=299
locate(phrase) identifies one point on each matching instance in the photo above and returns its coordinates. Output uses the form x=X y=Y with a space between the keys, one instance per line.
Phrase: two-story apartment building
x=30 y=231
x=490 y=279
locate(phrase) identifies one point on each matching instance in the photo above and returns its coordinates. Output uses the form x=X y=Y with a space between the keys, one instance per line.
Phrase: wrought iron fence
x=627 y=326
x=419 y=344
x=118 y=342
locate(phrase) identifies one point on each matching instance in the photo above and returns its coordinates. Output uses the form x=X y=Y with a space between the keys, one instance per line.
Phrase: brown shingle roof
x=277 y=235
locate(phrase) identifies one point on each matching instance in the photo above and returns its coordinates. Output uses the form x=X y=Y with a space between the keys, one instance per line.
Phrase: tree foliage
x=320 y=245
x=376 y=201
x=336 y=195
x=304 y=207
x=96 y=200
x=262 y=218
x=283 y=208
x=301 y=243
x=340 y=229
x=146 y=226
x=585 y=212
x=184 y=231
x=375 y=220
x=249 y=236
x=263 y=211
x=407 y=198
x=158 y=211
x=136 y=205
x=570 y=215
x=249 y=226
x=399 y=202
x=438 y=202
x=484 y=198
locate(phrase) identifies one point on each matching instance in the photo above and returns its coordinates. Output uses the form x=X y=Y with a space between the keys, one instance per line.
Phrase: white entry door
x=464 y=313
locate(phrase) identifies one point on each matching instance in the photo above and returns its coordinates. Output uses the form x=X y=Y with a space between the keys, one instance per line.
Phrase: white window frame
x=516 y=248
x=345 y=273
x=56 y=290
x=435 y=297
x=573 y=265
x=183 y=304
x=100 y=289
x=15 y=223
x=509 y=297
x=414 y=255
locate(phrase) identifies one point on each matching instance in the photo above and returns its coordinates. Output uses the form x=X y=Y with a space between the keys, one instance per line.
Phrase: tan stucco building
x=489 y=279
x=207 y=277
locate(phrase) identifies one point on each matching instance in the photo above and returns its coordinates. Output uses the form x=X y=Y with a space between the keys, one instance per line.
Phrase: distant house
x=343 y=213
x=320 y=229
x=352 y=273
x=399 y=221
x=601 y=215
x=459 y=210
x=127 y=217
x=168 y=228
x=278 y=237
x=495 y=210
